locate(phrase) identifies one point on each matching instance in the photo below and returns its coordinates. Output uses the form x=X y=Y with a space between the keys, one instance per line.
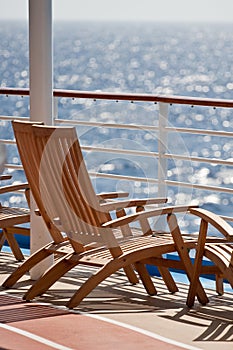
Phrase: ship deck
x=114 y=315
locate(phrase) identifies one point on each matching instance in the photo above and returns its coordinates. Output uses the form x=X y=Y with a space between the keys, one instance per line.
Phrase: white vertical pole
x=162 y=162
x=41 y=100
x=41 y=60
x=162 y=149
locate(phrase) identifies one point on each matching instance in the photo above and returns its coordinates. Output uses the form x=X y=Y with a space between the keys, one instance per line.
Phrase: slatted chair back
x=28 y=154
x=66 y=190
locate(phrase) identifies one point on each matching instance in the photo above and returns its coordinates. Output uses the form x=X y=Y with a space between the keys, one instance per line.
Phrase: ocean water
x=180 y=59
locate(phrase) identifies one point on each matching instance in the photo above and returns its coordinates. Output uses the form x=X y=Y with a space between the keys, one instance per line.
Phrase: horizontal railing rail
x=193 y=101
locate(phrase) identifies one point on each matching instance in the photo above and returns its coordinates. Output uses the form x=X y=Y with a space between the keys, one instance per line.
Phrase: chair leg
x=13 y=245
x=129 y=271
x=2 y=240
x=92 y=282
x=219 y=284
x=131 y=274
x=62 y=266
x=145 y=278
x=168 y=279
x=193 y=274
x=27 y=265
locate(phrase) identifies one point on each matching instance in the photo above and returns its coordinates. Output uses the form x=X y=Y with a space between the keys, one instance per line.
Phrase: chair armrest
x=12 y=188
x=127 y=203
x=146 y=215
x=111 y=195
x=215 y=220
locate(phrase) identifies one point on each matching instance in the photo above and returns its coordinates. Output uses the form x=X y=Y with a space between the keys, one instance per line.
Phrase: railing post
x=55 y=108
x=162 y=162
x=162 y=149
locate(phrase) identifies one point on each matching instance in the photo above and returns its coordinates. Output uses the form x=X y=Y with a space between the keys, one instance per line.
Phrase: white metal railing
x=163 y=129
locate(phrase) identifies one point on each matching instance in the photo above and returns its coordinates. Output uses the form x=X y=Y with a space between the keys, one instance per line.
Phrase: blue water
x=180 y=59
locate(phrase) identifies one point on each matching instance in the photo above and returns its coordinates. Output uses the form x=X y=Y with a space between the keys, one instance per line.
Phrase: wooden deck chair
x=63 y=192
x=219 y=251
x=59 y=245
x=13 y=219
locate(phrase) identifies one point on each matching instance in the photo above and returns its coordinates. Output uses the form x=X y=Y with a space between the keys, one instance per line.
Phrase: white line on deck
x=142 y=331
x=34 y=337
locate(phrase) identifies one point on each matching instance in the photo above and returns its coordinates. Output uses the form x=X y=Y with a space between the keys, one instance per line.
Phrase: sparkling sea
x=155 y=58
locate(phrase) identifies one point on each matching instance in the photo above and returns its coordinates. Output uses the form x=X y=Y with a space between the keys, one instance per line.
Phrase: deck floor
x=114 y=315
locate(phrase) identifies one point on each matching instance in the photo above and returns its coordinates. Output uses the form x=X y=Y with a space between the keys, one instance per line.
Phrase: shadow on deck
x=116 y=301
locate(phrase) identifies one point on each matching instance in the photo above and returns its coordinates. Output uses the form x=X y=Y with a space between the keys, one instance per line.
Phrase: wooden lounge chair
x=219 y=251
x=13 y=220
x=59 y=245
x=65 y=197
